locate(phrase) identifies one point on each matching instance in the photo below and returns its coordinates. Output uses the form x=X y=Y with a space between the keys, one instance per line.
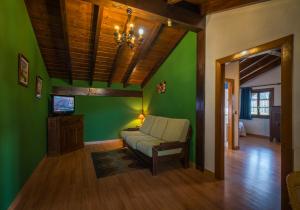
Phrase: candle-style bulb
x=141 y=32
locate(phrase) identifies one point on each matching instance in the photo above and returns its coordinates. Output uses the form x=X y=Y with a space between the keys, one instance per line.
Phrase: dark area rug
x=115 y=162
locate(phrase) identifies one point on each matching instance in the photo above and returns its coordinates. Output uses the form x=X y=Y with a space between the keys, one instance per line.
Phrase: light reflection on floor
x=256 y=169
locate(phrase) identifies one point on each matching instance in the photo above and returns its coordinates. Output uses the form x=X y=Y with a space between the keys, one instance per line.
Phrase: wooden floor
x=254 y=172
x=69 y=182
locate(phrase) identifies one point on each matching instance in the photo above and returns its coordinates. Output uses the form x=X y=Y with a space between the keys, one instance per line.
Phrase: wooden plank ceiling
x=77 y=43
x=256 y=65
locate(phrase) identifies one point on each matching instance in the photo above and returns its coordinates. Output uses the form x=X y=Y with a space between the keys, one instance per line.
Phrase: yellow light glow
x=117 y=28
x=133 y=39
x=141 y=117
x=245 y=52
x=131 y=25
x=169 y=22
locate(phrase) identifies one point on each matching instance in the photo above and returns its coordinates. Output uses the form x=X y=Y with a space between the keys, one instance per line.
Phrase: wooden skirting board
x=81 y=91
x=236 y=147
x=205 y=171
x=259 y=136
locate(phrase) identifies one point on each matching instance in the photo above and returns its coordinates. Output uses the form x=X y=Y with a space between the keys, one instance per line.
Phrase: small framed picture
x=23 y=71
x=38 y=87
x=161 y=87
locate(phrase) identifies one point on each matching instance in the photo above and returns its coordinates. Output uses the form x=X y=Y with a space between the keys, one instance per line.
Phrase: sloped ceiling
x=76 y=36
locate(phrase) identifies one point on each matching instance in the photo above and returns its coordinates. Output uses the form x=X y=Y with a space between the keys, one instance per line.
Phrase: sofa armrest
x=170 y=145
x=131 y=129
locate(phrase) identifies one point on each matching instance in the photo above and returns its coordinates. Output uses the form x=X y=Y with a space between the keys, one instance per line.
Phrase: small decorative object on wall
x=23 y=70
x=38 y=87
x=161 y=87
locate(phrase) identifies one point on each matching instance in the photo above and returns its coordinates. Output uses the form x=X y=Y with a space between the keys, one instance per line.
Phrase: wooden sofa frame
x=155 y=160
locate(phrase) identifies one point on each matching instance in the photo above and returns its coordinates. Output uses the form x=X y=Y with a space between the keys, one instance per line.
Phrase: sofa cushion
x=176 y=130
x=159 y=127
x=147 y=125
x=124 y=134
x=146 y=148
x=133 y=140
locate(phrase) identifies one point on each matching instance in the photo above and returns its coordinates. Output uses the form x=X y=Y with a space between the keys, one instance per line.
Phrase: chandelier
x=128 y=35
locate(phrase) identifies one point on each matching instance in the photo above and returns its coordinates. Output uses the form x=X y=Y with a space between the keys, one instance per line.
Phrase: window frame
x=271 y=102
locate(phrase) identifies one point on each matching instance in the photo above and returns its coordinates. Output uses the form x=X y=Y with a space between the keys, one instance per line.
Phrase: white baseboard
x=102 y=141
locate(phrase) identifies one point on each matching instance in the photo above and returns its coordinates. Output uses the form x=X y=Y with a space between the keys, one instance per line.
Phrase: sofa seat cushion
x=124 y=134
x=159 y=127
x=176 y=130
x=147 y=125
x=146 y=148
x=132 y=141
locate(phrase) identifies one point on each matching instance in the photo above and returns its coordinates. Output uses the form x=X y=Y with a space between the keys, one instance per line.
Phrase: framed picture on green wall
x=23 y=73
x=38 y=87
x=161 y=87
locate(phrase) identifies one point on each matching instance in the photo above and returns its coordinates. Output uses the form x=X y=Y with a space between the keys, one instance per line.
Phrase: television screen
x=63 y=104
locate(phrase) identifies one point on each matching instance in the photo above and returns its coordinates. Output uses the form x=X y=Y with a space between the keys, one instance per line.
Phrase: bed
x=242 y=129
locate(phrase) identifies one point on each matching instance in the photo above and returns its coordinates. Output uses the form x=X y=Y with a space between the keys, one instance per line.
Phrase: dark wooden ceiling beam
x=96 y=21
x=160 y=62
x=254 y=63
x=63 y=13
x=141 y=53
x=173 y=1
x=161 y=9
x=257 y=65
x=247 y=61
x=212 y=6
x=190 y=6
x=81 y=91
x=264 y=68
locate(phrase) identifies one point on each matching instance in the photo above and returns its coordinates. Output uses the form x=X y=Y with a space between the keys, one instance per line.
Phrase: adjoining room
x=252 y=124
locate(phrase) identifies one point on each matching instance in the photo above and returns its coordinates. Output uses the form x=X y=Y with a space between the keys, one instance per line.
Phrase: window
x=261 y=100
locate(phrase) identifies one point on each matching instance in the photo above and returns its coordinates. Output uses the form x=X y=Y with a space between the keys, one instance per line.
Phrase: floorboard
x=69 y=182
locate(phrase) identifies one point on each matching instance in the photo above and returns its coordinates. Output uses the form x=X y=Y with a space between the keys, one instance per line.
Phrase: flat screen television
x=63 y=104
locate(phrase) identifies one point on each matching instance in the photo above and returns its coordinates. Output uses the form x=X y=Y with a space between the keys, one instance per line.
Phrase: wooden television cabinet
x=65 y=134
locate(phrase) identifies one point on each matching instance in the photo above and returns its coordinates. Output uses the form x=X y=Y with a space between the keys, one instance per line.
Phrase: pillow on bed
x=242 y=130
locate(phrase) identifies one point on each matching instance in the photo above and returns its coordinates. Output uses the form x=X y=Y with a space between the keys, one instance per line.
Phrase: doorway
x=286 y=46
x=229 y=122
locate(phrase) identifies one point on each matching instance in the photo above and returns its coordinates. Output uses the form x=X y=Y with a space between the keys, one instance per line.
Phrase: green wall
x=23 y=117
x=179 y=71
x=23 y=127
x=104 y=117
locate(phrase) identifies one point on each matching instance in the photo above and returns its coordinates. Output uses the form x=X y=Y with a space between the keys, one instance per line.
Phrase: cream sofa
x=158 y=139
